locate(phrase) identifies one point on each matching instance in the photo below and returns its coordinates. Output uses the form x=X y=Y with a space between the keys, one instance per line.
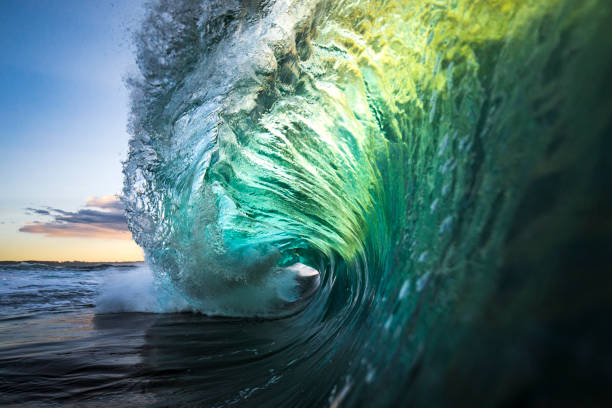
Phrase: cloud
x=104 y=218
x=38 y=211
x=107 y=202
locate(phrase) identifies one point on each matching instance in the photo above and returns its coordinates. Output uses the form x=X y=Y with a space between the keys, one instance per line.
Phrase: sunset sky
x=63 y=115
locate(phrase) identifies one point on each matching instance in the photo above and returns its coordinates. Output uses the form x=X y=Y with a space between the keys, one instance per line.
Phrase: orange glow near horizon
x=97 y=233
x=77 y=230
x=34 y=247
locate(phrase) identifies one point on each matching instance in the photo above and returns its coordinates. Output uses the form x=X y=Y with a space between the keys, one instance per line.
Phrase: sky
x=63 y=119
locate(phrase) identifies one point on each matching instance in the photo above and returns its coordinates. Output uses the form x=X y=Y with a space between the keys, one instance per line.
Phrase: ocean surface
x=86 y=334
x=348 y=204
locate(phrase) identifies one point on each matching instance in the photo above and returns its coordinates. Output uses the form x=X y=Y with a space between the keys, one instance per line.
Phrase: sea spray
x=135 y=290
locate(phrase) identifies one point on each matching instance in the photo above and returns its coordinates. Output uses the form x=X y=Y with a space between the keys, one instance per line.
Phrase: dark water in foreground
x=57 y=348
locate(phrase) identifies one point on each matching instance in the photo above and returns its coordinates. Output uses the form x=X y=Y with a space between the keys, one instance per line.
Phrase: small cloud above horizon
x=107 y=202
x=103 y=218
x=37 y=211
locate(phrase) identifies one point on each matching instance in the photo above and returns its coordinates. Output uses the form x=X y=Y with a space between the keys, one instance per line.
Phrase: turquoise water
x=404 y=179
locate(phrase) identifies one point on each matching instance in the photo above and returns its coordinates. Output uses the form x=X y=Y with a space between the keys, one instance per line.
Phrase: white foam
x=136 y=290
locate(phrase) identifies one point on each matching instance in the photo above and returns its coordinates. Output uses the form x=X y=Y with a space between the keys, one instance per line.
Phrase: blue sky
x=63 y=108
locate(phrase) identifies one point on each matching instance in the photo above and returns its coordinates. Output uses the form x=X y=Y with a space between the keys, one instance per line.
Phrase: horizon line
x=66 y=261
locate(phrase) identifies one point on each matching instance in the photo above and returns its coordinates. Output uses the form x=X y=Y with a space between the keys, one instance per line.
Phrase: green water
x=431 y=159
